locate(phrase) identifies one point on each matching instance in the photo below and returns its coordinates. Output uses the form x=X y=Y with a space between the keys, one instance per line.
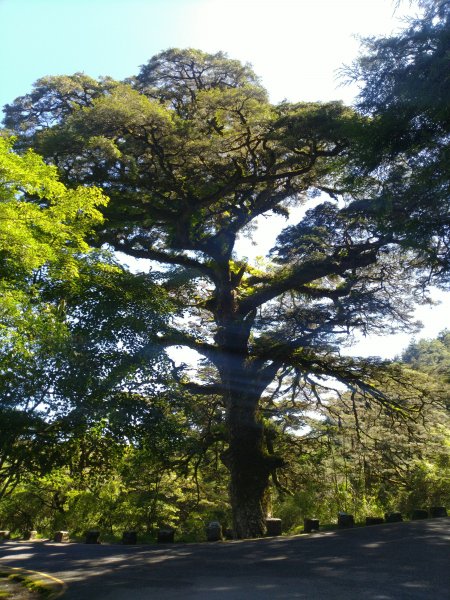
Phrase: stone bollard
x=91 y=537
x=129 y=537
x=374 y=520
x=393 y=517
x=345 y=521
x=419 y=513
x=273 y=527
x=310 y=525
x=166 y=535
x=435 y=511
x=5 y=534
x=214 y=531
x=61 y=536
x=31 y=534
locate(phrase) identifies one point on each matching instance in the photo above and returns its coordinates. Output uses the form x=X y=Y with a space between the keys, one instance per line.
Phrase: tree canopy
x=43 y=222
x=66 y=331
x=191 y=154
x=403 y=147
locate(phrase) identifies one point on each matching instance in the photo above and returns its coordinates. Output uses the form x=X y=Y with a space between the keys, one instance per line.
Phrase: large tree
x=192 y=154
x=404 y=146
x=66 y=333
x=43 y=226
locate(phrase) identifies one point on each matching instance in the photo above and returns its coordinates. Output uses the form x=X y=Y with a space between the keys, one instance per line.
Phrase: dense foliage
x=72 y=322
x=356 y=458
x=403 y=160
x=192 y=156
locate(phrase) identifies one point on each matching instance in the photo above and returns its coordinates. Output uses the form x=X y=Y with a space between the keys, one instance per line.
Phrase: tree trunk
x=246 y=457
x=249 y=467
x=249 y=479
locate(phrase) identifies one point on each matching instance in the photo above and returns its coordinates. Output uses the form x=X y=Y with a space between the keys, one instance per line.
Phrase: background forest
x=109 y=473
x=102 y=425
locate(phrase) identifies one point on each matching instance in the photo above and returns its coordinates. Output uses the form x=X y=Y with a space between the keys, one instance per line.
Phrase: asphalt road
x=402 y=561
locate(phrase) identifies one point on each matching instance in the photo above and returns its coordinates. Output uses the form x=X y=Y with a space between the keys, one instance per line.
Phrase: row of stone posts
x=345 y=520
x=215 y=532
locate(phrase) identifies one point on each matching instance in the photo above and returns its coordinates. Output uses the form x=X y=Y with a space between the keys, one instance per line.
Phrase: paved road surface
x=404 y=561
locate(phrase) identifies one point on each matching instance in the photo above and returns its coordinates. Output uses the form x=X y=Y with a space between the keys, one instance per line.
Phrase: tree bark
x=248 y=467
x=246 y=458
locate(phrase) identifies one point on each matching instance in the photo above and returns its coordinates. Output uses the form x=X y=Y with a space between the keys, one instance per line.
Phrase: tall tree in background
x=404 y=149
x=64 y=308
x=43 y=227
x=191 y=154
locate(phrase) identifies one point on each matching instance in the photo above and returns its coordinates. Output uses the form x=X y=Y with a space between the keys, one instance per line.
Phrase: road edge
x=47 y=585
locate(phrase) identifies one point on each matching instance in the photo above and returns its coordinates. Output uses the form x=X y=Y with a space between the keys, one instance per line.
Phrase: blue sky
x=99 y=37
x=296 y=46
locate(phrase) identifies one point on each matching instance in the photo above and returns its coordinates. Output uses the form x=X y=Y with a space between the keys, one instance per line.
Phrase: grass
x=32 y=584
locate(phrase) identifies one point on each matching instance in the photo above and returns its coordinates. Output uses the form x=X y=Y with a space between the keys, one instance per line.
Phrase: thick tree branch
x=181 y=338
x=203 y=390
x=361 y=255
x=165 y=257
x=356 y=374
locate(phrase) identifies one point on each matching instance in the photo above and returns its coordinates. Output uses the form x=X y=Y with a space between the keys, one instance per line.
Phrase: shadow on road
x=387 y=562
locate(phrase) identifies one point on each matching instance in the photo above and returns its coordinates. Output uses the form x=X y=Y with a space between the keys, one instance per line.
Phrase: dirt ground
x=13 y=590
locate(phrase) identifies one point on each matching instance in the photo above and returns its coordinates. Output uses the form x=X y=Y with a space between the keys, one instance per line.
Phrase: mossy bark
x=249 y=466
x=243 y=381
